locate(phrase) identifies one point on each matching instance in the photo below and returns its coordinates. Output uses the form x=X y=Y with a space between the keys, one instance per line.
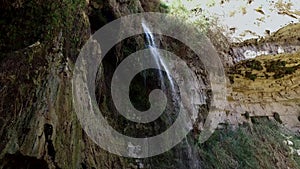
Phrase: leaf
x=262 y=19
x=250 y=32
x=232 y=13
x=259 y=10
x=233 y=29
x=244 y=11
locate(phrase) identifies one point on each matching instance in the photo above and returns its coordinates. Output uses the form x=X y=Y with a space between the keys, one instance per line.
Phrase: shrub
x=257 y=146
x=250 y=76
x=279 y=68
x=254 y=65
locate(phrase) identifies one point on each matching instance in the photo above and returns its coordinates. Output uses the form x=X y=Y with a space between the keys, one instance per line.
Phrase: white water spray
x=157 y=57
x=189 y=154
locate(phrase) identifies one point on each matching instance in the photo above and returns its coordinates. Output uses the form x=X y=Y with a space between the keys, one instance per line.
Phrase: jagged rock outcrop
x=285 y=40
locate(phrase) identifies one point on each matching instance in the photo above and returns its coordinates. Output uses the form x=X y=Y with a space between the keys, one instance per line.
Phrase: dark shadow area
x=21 y=27
x=19 y=161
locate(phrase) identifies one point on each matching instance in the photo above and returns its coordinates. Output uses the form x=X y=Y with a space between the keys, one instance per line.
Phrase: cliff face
x=285 y=40
x=266 y=86
x=269 y=84
x=38 y=125
x=39 y=128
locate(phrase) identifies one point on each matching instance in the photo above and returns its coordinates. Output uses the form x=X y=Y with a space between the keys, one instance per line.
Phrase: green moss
x=164 y=6
x=274 y=65
x=290 y=70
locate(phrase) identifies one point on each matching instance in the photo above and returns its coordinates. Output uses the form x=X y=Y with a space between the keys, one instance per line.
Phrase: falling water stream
x=187 y=157
x=156 y=55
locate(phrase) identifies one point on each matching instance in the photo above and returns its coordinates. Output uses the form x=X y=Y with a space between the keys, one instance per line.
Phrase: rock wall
x=38 y=125
x=285 y=40
x=266 y=86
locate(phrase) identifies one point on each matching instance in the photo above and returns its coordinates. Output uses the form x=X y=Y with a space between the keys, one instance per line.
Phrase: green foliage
x=250 y=76
x=279 y=68
x=164 y=6
x=259 y=146
x=194 y=16
x=36 y=21
x=254 y=65
x=229 y=149
x=273 y=66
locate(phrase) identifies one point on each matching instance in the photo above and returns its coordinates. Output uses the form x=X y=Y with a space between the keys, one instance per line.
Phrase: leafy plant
x=257 y=146
x=254 y=65
x=250 y=76
x=278 y=67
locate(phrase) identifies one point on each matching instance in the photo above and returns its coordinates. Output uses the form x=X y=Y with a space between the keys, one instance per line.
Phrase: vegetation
x=254 y=65
x=258 y=146
x=36 y=89
x=250 y=76
x=195 y=15
x=264 y=67
x=36 y=21
x=279 y=68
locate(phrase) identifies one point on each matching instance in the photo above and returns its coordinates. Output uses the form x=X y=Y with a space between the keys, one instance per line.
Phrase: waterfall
x=187 y=154
x=157 y=57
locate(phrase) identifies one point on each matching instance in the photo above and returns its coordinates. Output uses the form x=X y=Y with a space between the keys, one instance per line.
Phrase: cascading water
x=156 y=55
x=187 y=155
x=161 y=64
